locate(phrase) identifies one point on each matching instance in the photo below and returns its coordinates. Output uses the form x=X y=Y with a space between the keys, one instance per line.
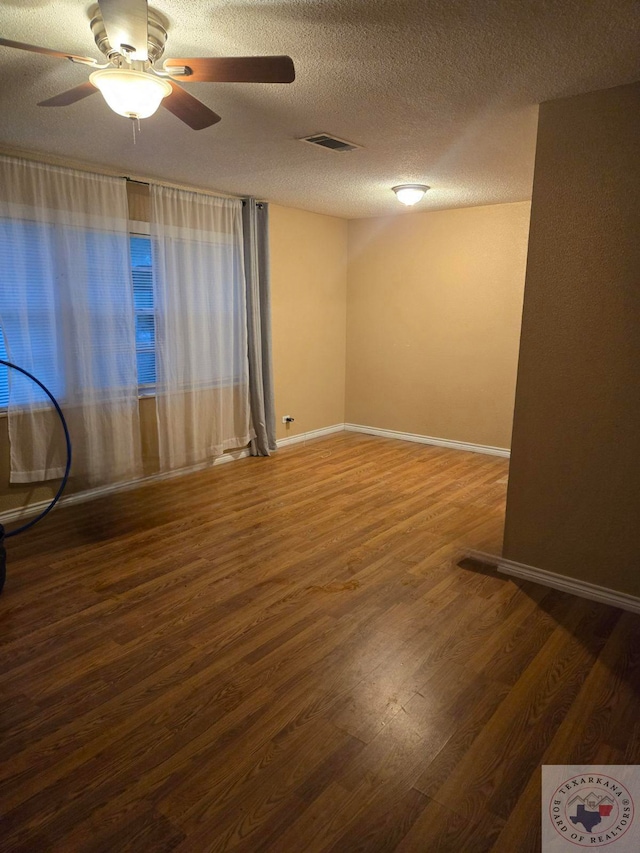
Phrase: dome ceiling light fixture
x=410 y=194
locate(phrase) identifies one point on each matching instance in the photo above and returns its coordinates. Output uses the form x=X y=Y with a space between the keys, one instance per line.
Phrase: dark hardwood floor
x=289 y=655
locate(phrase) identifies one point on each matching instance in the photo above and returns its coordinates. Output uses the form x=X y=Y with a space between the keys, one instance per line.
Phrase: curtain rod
x=136 y=179
x=53 y=160
x=188 y=188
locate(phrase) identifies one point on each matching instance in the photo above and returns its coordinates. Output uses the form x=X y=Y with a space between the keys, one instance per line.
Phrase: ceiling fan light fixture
x=132 y=94
x=410 y=193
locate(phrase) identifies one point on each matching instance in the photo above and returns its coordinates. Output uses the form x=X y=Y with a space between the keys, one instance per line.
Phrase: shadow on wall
x=589 y=623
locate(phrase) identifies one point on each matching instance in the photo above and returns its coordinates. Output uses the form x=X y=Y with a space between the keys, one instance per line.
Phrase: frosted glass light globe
x=133 y=94
x=410 y=193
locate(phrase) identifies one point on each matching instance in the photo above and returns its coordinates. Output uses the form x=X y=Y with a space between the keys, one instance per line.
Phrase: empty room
x=319 y=426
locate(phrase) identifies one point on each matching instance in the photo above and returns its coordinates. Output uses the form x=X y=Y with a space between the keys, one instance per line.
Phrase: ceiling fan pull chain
x=134 y=120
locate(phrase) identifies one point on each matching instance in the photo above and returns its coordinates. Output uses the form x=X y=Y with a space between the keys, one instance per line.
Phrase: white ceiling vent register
x=325 y=140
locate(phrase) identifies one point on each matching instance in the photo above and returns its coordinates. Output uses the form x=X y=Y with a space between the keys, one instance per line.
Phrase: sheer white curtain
x=202 y=387
x=66 y=310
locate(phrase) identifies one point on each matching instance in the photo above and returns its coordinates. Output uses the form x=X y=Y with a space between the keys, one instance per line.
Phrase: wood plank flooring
x=289 y=654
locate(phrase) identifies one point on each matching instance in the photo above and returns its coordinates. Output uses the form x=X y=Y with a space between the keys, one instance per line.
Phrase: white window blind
x=23 y=282
x=141 y=272
x=4 y=376
x=143 y=303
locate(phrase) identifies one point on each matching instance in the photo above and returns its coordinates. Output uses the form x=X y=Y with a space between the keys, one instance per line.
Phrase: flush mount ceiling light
x=410 y=193
x=133 y=94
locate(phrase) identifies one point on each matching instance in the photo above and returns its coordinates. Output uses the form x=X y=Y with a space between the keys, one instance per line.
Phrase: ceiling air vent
x=332 y=142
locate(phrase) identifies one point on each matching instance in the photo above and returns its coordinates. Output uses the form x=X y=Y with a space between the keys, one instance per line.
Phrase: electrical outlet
x=287 y=419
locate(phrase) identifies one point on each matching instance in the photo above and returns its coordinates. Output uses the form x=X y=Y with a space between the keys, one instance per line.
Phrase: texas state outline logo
x=592 y=808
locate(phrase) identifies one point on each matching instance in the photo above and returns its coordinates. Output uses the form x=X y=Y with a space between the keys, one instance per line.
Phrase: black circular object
x=4 y=535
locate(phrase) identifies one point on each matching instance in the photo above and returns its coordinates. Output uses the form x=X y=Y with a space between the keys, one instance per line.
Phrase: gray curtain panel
x=255 y=221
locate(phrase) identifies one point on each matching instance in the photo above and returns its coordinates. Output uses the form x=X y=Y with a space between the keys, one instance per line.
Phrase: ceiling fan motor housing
x=156 y=38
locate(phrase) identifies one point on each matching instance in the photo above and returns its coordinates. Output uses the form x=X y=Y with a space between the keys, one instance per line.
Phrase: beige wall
x=573 y=505
x=434 y=306
x=308 y=315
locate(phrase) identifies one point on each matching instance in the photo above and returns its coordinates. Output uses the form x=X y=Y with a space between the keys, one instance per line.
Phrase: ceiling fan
x=133 y=38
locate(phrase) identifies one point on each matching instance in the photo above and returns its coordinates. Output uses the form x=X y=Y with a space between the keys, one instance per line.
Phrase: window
x=23 y=262
x=144 y=308
x=4 y=376
x=145 y=321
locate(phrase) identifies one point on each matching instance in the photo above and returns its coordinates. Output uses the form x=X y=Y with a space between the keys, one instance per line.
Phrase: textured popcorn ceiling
x=442 y=92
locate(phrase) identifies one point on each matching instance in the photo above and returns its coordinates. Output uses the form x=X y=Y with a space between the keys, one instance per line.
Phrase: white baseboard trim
x=581 y=588
x=427 y=439
x=22 y=513
x=307 y=436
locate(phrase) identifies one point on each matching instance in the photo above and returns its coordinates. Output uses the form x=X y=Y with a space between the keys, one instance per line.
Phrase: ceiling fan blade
x=125 y=22
x=70 y=96
x=189 y=109
x=47 y=52
x=235 y=69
